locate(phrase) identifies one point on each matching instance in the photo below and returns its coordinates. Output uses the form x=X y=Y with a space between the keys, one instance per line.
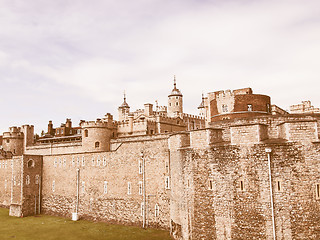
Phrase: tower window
x=8 y=140
x=30 y=163
x=249 y=107
x=224 y=108
x=169 y=105
x=86 y=133
x=97 y=144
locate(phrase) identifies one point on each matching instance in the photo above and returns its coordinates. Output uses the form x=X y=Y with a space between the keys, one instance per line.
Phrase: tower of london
x=244 y=168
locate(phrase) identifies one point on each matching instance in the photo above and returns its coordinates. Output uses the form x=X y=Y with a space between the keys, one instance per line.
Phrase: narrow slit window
x=241 y=185
x=317 y=191
x=279 y=186
x=210 y=184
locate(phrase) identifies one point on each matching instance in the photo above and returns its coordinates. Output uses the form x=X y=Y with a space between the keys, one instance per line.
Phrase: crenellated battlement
x=94 y=124
x=12 y=135
x=185 y=115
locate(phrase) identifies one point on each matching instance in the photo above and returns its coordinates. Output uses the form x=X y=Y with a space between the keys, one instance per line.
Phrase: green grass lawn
x=49 y=227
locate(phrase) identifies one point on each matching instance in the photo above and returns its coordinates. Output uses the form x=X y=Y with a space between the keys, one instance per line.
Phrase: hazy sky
x=74 y=58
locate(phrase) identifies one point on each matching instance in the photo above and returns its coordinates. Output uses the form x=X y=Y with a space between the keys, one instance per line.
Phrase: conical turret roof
x=175 y=91
x=124 y=104
x=202 y=103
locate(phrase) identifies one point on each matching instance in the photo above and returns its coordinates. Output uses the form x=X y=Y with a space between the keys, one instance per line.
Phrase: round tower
x=175 y=103
x=96 y=136
x=124 y=110
x=12 y=141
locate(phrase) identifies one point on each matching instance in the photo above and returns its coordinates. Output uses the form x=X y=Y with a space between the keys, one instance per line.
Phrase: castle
x=242 y=169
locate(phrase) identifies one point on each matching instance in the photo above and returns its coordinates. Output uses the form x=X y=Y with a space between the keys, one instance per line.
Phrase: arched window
x=30 y=163
x=86 y=133
x=97 y=144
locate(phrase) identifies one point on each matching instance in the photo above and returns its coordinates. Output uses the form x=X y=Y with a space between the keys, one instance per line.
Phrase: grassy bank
x=49 y=227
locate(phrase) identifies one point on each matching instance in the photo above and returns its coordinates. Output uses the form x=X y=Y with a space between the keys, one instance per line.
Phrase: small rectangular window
x=142 y=209
x=167 y=182
x=98 y=161
x=105 y=187
x=167 y=167
x=83 y=161
x=37 y=179
x=140 y=167
x=53 y=186
x=129 y=188
x=92 y=161
x=156 y=210
x=104 y=161
x=140 y=188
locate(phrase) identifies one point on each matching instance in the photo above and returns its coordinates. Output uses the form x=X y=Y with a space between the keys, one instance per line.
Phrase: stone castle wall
x=5 y=182
x=222 y=191
x=104 y=180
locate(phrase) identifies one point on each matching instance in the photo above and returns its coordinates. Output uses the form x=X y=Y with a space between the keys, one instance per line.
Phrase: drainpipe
x=268 y=151
x=144 y=190
x=75 y=214
x=39 y=199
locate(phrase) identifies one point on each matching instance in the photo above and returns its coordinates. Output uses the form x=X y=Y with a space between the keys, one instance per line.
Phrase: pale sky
x=74 y=58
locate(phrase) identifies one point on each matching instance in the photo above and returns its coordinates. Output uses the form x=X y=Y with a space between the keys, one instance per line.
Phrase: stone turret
x=96 y=136
x=202 y=108
x=124 y=110
x=13 y=141
x=175 y=103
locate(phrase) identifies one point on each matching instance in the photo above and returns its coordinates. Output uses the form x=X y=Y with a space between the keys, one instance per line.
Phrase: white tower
x=175 y=103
